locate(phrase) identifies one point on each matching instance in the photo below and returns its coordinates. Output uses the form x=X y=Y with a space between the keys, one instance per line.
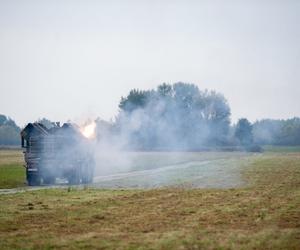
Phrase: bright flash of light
x=89 y=130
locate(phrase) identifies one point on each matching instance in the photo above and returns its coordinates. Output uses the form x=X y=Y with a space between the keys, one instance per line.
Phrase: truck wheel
x=73 y=181
x=49 y=180
x=87 y=178
x=87 y=175
x=73 y=178
x=33 y=180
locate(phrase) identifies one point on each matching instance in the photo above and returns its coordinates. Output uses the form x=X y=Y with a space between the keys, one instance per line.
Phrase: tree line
x=9 y=131
x=179 y=116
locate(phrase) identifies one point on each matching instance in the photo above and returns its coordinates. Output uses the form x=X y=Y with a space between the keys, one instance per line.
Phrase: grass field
x=263 y=214
x=12 y=172
x=278 y=149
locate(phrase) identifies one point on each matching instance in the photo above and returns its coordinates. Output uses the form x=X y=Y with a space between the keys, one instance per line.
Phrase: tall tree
x=243 y=132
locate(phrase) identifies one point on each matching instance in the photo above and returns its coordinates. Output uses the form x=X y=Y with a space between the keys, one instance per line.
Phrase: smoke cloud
x=176 y=117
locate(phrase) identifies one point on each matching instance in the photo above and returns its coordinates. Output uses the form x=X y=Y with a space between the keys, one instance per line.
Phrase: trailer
x=56 y=152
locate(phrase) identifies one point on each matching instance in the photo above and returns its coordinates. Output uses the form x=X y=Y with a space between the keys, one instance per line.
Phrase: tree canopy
x=179 y=116
x=9 y=131
x=243 y=132
x=277 y=132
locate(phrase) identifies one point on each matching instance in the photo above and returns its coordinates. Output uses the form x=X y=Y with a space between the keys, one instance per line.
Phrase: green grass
x=12 y=172
x=263 y=215
x=12 y=175
x=281 y=149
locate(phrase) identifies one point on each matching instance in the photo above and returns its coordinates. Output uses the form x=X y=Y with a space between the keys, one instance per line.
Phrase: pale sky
x=75 y=59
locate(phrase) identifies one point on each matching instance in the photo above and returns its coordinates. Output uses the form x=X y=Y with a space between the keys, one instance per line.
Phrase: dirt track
x=217 y=173
x=220 y=173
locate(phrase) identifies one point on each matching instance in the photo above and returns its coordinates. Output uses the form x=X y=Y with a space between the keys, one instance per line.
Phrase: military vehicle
x=56 y=152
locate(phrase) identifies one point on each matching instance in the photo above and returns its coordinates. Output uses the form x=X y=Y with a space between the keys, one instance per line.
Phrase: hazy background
x=74 y=59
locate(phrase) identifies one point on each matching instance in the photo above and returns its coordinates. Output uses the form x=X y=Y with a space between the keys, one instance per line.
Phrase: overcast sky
x=75 y=59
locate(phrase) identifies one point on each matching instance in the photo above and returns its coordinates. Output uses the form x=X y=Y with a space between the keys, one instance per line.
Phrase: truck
x=56 y=152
